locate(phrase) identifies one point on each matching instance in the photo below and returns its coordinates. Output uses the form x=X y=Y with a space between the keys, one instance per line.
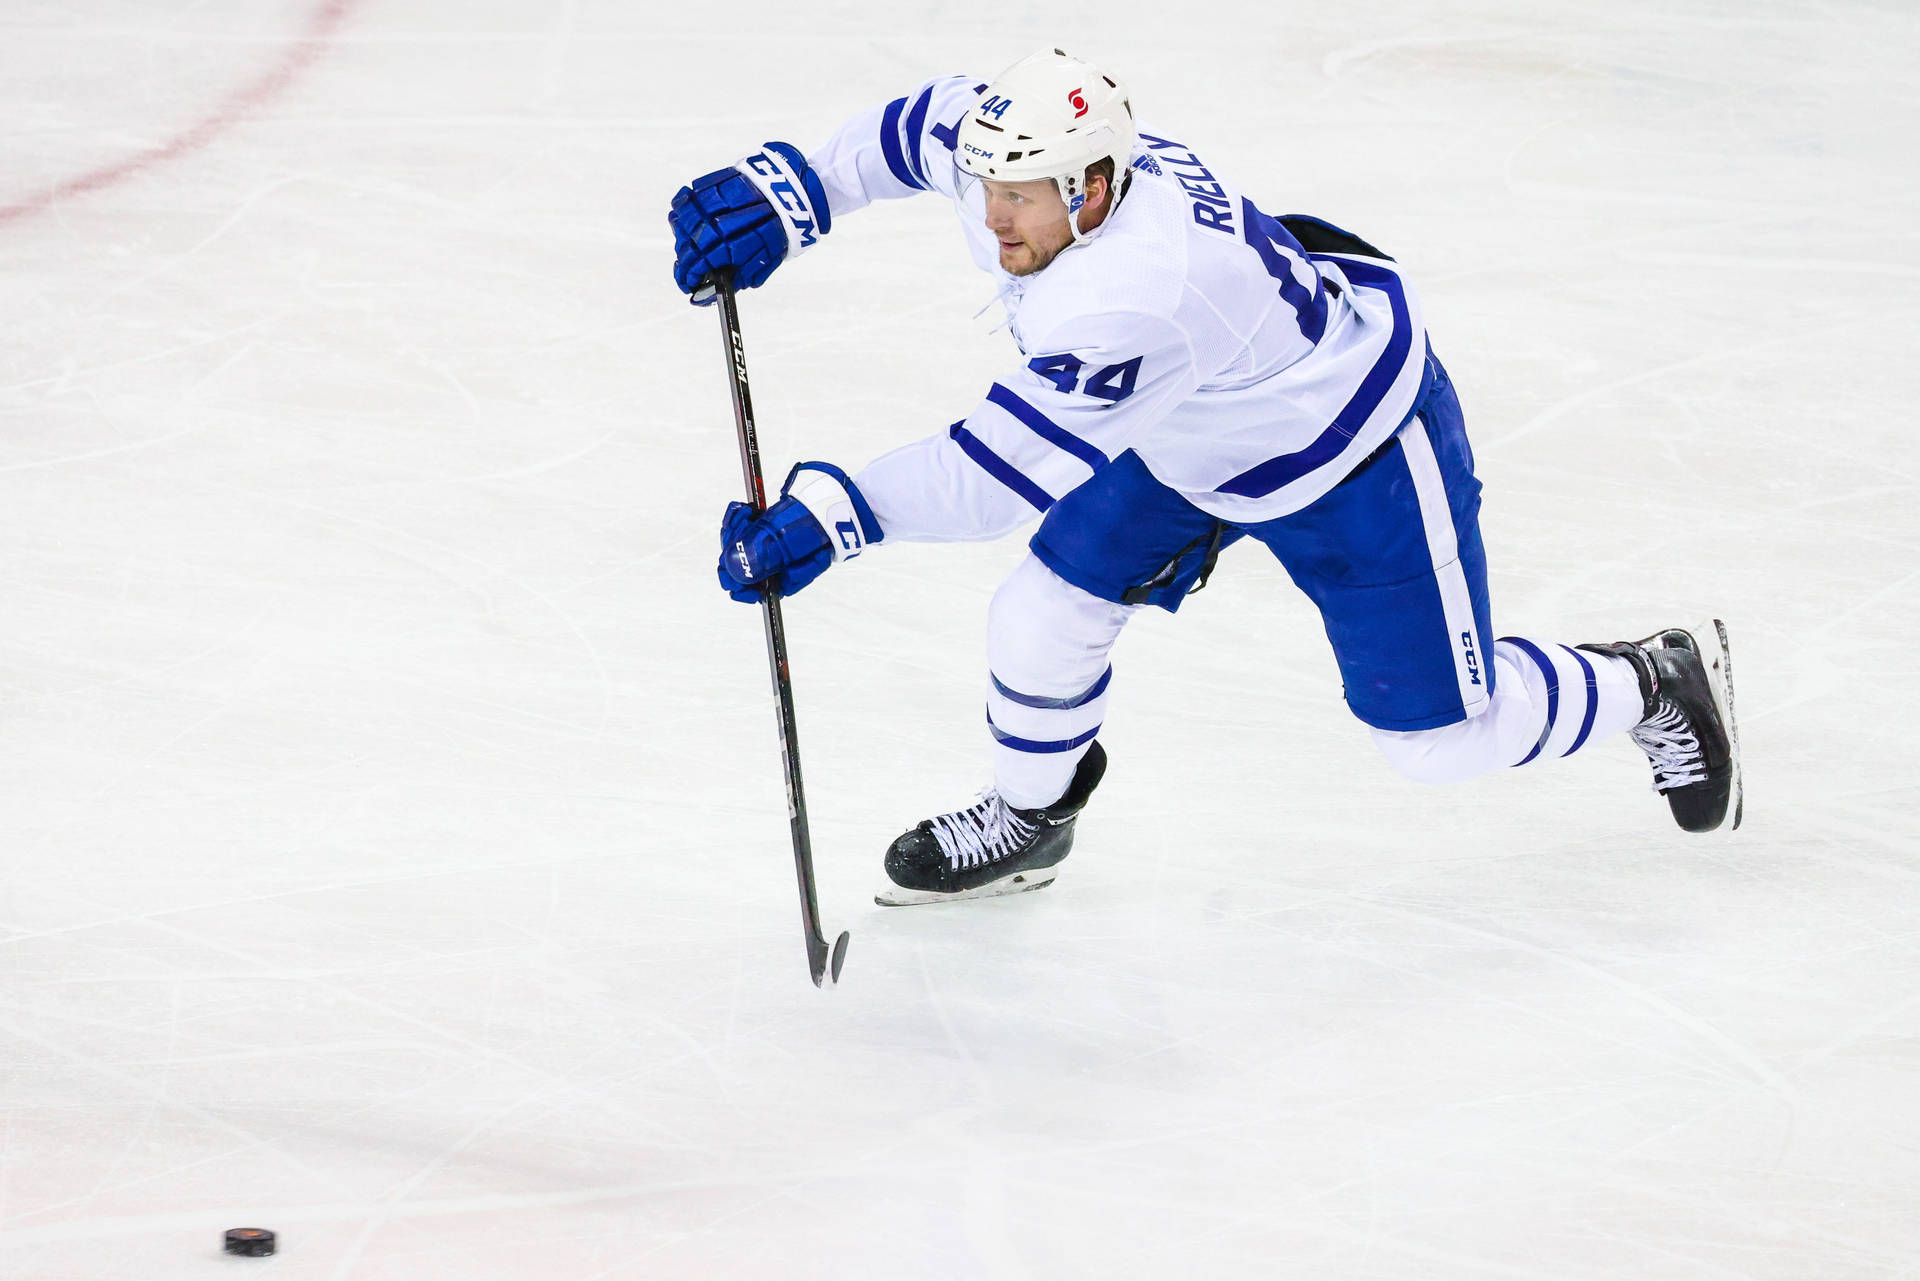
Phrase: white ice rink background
x=392 y=846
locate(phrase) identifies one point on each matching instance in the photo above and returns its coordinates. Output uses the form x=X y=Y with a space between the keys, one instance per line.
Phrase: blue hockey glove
x=749 y=218
x=821 y=518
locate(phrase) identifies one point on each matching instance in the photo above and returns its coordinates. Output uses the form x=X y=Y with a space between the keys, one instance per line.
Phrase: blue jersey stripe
x=1380 y=379
x=1312 y=310
x=1045 y=428
x=1270 y=239
x=1258 y=482
x=1593 y=702
x=1545 y=665
x=1037 y=745
x=999 y=468
x=1081 y=699
x=916 y=121
x=890 y=144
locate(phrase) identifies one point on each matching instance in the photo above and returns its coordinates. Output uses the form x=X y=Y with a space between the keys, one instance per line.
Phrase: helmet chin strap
x=1076 y=203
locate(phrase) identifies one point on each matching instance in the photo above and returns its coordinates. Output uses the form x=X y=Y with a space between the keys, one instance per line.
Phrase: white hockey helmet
x=1050 y=116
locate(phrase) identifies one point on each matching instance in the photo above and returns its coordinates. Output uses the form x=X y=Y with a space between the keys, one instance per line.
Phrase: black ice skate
x=989 y=847
x=1688 y=734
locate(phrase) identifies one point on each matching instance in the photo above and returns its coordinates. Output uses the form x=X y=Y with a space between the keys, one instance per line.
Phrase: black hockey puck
x=252 y=1242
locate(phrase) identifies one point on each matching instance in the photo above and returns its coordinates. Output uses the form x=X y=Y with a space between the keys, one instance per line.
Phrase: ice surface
x=393 y=838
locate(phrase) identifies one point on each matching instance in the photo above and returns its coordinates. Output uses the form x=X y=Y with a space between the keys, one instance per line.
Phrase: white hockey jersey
x=1247 y=374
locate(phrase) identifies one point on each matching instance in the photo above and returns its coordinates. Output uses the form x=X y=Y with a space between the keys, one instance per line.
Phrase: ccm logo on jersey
x=1077 y=102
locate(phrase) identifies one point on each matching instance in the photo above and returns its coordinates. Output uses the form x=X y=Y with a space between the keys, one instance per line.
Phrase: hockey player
x=1192 y=371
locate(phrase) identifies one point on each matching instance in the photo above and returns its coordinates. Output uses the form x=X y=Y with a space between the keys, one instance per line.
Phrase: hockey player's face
x=1030 y=220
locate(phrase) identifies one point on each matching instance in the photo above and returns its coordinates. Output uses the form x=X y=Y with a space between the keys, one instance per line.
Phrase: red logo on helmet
x=1078 y=103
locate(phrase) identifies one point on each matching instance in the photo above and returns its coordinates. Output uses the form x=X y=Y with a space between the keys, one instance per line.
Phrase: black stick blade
x=826 y=967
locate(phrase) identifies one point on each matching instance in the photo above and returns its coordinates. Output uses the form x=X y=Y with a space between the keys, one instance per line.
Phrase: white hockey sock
x=1548 y=701
x=1578 y=696
x=1047 y=645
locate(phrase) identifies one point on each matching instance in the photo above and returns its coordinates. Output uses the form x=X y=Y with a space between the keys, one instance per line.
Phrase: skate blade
x=1018 y=883
x=1710 y=642
x=1718 y=658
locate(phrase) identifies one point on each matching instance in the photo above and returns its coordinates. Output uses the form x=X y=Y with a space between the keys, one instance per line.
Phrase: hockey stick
x=817 y=958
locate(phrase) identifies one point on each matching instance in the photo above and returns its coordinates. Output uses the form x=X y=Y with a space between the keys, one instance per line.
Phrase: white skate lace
x=984 y=832
x=1673 y=748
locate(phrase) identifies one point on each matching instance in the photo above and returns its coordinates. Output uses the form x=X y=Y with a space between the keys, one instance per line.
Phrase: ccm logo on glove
x=746 y=220
x=786 y=547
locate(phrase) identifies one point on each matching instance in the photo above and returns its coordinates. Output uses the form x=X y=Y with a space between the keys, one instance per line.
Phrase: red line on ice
x=322 y=23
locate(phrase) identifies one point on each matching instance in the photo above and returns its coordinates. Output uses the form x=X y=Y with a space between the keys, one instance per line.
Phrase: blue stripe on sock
x=1098 y=688
x=1045 y=428
x=999 y=468
x=1038 y=746
x=1593 y=701
x=1545 y=665
x=890 y=144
